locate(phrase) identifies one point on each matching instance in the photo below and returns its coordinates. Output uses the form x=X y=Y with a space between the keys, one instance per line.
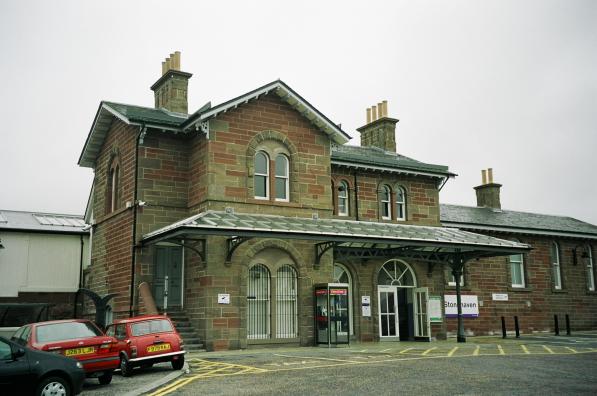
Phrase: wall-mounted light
x=583 y=254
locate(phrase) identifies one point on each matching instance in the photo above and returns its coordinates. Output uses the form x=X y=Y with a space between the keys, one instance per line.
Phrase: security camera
x=142 y=203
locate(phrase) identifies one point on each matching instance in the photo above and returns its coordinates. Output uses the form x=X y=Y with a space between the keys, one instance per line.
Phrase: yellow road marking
x=548 y=349
x=317 y=358
x=406 y=350
x=501 y=350
x=429 y=350
x=477 y=349
x=525 y=349
x=571 y=350
x=452 y=351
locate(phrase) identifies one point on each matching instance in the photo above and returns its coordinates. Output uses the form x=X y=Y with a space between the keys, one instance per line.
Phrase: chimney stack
x=171 y=88
x=380 y=130
x=488 y=193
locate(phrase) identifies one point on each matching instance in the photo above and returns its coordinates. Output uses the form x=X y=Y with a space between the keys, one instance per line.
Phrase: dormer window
x=343 y=199
x=400 y=204
x=282 y=178
x=261 y=178
x=385 y=203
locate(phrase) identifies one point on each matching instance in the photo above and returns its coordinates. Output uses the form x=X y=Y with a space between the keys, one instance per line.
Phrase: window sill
x=559 y=291
x=520 y=289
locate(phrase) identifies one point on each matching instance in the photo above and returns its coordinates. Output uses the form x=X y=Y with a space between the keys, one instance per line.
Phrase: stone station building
x=237 y=211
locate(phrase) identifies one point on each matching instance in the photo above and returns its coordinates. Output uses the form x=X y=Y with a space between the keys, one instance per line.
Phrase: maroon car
x=145 y=340
x=77 y=338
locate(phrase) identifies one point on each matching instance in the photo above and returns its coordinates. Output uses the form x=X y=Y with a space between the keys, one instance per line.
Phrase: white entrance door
x=422 y=325
x=388 y=313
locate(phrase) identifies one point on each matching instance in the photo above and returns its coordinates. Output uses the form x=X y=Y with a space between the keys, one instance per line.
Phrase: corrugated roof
x=46 y=222
x=373 y=156
x=522 y=222
x=212 y=222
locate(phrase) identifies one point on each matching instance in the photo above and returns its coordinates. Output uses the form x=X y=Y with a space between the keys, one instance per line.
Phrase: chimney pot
x=373 y=113
x=488 y=193
x=483 y=177
x=490 y=175
x=368 y=115
x=170 y=91
x=380 y=110
x=385 y=108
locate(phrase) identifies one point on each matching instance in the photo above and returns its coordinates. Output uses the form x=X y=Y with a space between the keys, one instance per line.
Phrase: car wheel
x=178 y=363
x=105 y=378
x=125 y=367
x=53 y=386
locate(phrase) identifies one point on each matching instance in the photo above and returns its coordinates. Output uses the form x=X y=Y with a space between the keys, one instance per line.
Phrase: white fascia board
x=336 y=134
x=387 y=169
x=527 y=231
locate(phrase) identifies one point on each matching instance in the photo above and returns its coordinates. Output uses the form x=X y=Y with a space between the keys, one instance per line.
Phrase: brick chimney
x=380 y=130
x=488 y=193
x=171 y=89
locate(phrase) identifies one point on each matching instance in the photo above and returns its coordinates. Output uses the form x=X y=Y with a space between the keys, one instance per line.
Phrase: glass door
x=422 y=325
x=388 y=313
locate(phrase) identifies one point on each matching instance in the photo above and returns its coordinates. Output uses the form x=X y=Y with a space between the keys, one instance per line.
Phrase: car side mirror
x=18 y=353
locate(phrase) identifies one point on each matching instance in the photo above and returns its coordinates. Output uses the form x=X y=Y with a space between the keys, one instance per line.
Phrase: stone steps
x=192 y=342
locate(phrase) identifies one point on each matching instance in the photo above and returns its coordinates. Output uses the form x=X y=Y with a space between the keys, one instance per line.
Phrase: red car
x=145 y=340
x=76 y=338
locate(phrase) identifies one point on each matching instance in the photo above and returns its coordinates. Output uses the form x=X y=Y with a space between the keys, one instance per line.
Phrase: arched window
x=555 y=266
x=396 y=273
x=400 y=204
x=261 y=177
x=343 y=209
x=113 y=186
x=258 y=302
x=286 y=308
x=341 y=275
x=590 y=270
x=282 y=178
x=517 y=270
x=385 y=203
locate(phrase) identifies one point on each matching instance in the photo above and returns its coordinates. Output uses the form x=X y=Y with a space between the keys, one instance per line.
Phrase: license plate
x=158 y=347
x=79 y=351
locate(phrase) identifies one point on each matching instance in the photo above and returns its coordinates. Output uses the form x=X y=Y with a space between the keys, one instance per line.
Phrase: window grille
x=258 y=303
x=286 y=303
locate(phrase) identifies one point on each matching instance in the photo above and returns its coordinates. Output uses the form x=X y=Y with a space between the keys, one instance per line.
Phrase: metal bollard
x=567 y=324
x=503 y=327
x=516 y=327
x=556 y=326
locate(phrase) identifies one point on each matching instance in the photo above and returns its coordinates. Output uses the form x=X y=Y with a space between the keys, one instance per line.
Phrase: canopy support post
x=457 y=265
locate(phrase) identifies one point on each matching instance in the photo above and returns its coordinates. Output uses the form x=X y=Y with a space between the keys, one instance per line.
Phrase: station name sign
x=469 y=304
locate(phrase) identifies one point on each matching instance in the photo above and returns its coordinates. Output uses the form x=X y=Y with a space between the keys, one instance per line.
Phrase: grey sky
x=505 y=84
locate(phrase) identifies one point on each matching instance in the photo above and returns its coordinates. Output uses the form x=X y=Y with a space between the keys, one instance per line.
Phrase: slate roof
x=11 y=220
x=148 y=115
x=373 y=156
x=259 y=225
x=476 y=218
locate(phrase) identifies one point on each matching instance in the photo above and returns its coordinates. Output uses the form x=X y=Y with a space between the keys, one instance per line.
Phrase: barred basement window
x=258 y=303
x=555 y=266
x=286 y=303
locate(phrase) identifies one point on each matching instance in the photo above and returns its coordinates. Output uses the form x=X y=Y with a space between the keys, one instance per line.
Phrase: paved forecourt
x=211 y=366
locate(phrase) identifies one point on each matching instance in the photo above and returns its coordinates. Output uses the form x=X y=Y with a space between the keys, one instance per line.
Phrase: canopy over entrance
x=348 y=239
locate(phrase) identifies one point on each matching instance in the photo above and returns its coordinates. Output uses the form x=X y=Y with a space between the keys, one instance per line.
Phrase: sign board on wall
x=499 y=296
x=469 y=304
x=223 y=298
x=366 y=305
x=435 y=309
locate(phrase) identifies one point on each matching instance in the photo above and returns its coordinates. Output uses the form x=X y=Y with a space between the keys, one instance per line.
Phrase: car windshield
x=150 y=326
x=66 y=331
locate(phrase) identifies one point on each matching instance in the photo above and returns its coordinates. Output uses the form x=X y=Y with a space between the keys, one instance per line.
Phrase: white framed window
x=286 y=302
x=261 y=176
x=113 y=187
x=590 y=269
x=385 y=203
x=555 y=266
x=517 y=270
x=400 y=204
x=452 y=281
x=282 y=192
x=258 y=302
x=343 y=199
